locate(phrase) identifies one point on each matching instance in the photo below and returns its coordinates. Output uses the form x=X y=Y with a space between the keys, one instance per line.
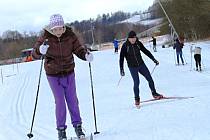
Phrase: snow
x=133 y=19
x=117 y=118
x=152 y=21
x=136 y=19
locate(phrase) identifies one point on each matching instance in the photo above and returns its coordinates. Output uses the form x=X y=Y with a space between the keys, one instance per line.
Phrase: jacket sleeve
x=36 y=53
x=122 y=56
x=145 y=51
x=181 y=45
x=175 y=45
x=78 y=49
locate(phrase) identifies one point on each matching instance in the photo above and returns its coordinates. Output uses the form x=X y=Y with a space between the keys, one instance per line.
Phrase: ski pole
x=175 y=57
x=184 y=58
x=191 y=57
x=119 y=81
x=94 y=110
x=203 y=64
x=30 y=135
x=153 y=69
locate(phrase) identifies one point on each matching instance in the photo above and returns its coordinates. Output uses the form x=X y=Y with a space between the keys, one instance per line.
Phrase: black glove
x=156 y=62
x=122 y=73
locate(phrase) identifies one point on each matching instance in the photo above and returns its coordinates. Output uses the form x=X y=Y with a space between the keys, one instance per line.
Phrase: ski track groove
x=18 y=105
x=23 y=94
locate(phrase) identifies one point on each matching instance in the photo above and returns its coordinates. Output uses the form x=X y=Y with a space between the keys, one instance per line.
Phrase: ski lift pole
x=168 y=18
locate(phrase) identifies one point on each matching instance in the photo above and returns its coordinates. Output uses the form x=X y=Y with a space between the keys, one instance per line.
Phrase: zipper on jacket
x=135 y=55
x=61 y=56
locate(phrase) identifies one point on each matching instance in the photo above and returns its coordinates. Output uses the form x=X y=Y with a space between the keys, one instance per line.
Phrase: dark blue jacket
x=132 y=53
x=178 y=46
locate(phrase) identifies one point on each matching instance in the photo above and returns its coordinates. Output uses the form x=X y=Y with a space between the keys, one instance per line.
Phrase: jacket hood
x=48 y=32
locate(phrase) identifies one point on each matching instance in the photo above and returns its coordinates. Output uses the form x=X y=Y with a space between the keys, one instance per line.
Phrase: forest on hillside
x=190 y=18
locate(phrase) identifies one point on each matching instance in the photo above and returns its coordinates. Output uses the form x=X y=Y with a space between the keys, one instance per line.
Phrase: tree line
x=190 y=18
x=105 y=28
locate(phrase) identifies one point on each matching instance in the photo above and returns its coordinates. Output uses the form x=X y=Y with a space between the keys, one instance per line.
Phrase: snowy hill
x=136 y=19
x=117 y=118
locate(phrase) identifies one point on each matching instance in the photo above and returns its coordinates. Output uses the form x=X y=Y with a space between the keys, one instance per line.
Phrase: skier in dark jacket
x=131 y=50
x=178 y=46
x=154 y=42
x=59 y=66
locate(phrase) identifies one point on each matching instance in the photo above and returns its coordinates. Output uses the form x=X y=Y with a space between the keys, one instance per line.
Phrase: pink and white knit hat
x=56 y=20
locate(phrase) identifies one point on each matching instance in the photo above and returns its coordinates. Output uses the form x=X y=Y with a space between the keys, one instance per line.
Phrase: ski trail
x=17 y=109
x=15 y=102
x=23 y=93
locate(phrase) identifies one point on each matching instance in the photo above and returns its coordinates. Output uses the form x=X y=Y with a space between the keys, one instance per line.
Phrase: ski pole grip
x=46 y=42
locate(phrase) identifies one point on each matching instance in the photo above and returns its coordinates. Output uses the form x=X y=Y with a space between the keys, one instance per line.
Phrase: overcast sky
x=32 y=15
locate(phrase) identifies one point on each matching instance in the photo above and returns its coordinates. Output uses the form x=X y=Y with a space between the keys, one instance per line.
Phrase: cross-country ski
x=167 y=98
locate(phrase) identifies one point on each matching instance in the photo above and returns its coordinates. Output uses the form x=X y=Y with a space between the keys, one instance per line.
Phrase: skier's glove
x=43 y=49
x=89 y=57
x=122 y=73
x=156 y=62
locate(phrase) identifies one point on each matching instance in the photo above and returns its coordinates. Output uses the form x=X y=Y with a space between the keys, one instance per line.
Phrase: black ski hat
x=132 y=34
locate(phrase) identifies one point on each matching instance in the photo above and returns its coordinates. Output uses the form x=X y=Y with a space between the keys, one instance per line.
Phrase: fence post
x=2 y=80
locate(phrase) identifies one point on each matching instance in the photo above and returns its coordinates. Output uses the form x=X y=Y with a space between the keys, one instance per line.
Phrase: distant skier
x=178 y=46
x=116 y=45
x=29 y=58
x=59 y=67
x=154 y=42
x=131 y=50
x=197 y=57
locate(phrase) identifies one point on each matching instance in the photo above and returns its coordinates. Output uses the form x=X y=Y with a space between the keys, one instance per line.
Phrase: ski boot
x=196 y=68
x=157 y=95
x=78 y=131
x=200 y=68
x=137 y=102
x=61 y=134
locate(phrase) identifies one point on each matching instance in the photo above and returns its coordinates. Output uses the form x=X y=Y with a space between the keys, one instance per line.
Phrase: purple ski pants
x=64 y=91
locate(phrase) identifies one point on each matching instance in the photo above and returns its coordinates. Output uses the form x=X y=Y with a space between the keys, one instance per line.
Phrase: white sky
x=27 y=15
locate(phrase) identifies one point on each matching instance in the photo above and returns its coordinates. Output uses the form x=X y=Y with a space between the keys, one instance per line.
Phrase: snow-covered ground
x=137 y=20
x=117 y=118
